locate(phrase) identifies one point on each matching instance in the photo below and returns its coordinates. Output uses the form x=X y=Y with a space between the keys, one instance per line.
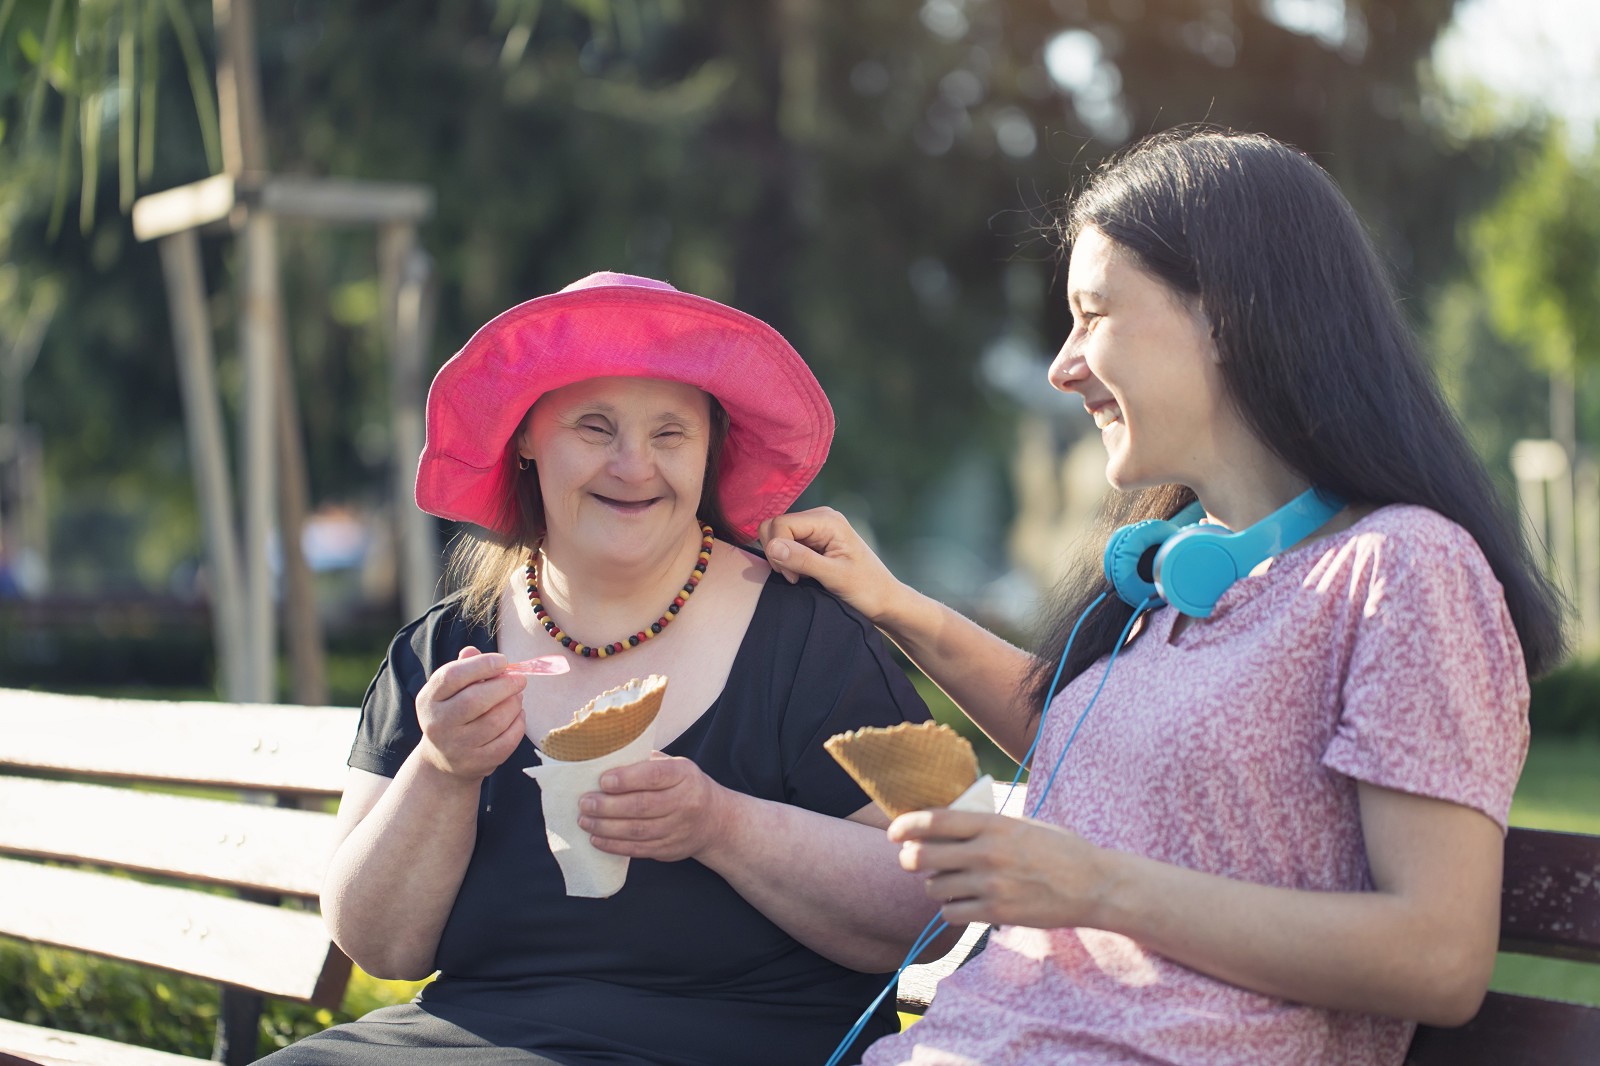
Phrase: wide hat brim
x=780 y=422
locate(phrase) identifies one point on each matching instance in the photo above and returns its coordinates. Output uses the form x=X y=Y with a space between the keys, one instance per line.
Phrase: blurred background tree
x=876 y=180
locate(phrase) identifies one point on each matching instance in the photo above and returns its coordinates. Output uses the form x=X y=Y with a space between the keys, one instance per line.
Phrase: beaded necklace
x=531 y=571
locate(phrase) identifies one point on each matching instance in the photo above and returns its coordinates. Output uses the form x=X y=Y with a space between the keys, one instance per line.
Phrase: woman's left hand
x=999 y=869
x=664 y=808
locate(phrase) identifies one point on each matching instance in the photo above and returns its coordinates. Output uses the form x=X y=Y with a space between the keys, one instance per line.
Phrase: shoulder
x=1412 y=540
x=1409 y=523
x=809 y=600
x=440 y=631
x=1405 y=562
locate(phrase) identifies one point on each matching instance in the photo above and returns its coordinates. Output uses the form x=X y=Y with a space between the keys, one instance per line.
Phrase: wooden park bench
x=1549 y=907
x=224 y=884
x=67 y=764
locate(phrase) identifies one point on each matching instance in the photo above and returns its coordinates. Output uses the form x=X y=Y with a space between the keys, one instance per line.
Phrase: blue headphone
x=1190 y=565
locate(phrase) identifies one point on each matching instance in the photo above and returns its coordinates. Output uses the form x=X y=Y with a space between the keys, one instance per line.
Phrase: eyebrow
x=1077 y=295
x=600 y=407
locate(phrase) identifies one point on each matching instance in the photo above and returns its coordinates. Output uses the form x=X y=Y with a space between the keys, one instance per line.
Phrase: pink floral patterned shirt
x=1382 y=653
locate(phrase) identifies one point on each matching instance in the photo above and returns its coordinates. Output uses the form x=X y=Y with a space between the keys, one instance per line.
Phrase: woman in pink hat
x=1268 y=795
x=617 y=442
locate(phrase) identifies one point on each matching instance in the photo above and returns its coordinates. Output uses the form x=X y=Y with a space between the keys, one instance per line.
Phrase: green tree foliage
x=870 y=178
x=1537 y=254
x=1498 y=394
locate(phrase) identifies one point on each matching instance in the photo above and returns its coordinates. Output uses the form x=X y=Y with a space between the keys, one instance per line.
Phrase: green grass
x=1560 y=786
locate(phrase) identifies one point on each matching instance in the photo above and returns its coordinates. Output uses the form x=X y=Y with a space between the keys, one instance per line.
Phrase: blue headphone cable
x=937 y=924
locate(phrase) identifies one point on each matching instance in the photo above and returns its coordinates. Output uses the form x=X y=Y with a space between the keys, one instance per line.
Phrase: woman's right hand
x=822 y=545
x=470 y=711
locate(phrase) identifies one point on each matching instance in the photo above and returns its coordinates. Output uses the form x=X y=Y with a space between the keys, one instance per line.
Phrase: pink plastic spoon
x=544 y=664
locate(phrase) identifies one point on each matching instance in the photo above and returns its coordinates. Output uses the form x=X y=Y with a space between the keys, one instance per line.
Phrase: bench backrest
x=1549 y=907
x=81 y=782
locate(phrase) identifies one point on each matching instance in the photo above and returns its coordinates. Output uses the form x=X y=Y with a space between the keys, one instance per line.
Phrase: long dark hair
x=1314 y=350
x=480 y=559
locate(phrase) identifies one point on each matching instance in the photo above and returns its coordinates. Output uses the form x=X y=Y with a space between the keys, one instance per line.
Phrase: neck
x=602 y=599
x=1249 y=491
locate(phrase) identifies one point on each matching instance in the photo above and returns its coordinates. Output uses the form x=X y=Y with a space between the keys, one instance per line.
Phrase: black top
x=676 y=967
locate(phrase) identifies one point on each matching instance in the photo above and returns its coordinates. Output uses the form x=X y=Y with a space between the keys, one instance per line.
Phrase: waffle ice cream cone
x=607 y=723
x=907 y=767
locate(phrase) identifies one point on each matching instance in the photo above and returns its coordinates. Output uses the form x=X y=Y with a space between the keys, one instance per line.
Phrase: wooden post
x=257 y=306
x=191 y=330
x=1587 y=508
x=239 y=110
x=308 y=674
x=405 y=271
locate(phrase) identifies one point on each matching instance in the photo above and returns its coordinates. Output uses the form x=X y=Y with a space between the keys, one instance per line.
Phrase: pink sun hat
x=618 y=325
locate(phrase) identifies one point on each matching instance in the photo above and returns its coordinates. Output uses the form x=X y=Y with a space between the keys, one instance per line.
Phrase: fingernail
x=588 y=805
x=778 y=550
x=608 y=781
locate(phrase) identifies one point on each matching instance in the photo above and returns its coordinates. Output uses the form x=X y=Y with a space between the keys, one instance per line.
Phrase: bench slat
x=1550 y=904
x=1513 y=1031
x=52 y=1047
x=253 y=746
x=915 y=989
x=270 y=849
x=273 y=950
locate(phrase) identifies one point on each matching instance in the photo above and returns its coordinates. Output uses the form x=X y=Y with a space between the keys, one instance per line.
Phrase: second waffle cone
x=907 y=767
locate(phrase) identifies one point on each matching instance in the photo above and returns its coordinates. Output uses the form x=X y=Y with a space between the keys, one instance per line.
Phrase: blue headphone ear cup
x=1127 y=548
x=1195 y=567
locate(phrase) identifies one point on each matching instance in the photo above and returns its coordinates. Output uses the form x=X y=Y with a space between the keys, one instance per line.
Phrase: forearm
x=1374 y=952
x=393 y=880
x=830 y=883
x=981 y=673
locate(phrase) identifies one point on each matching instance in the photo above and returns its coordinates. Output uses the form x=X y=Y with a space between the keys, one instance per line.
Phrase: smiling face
x=621 y=464
x=1141 y=356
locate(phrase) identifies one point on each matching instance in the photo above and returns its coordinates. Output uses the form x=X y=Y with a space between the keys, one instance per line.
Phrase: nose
x=1068 y=369
x=630 y=458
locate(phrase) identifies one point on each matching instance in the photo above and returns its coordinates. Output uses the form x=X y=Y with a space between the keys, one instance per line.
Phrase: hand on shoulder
x=822 y=545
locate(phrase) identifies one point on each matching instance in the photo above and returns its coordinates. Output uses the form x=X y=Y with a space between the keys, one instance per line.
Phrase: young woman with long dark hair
x=1290 y=722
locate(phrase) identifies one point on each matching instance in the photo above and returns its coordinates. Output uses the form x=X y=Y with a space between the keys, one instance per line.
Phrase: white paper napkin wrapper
x=979 y=797
x=586 y=870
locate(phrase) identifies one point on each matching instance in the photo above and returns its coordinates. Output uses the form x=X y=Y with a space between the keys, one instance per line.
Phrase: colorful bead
x=531 y=572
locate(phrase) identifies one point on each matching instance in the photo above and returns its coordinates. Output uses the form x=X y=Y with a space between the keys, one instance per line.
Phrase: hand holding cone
x=907 y=767
x=615 y=728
